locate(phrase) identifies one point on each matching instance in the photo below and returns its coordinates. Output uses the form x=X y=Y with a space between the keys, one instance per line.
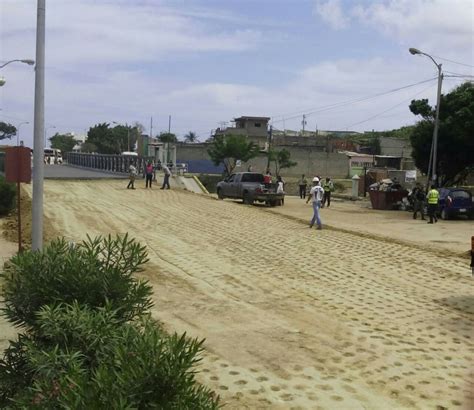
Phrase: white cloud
x=331 y=12
x=90 y=32
x=441 y=27
x=99 y=57
x=438 y=26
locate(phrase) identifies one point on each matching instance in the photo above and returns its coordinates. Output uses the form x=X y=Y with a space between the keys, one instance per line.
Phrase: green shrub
x=7 y=196
x=339 y=187
x=89 y=342
x=94 y=272
x=90 y=359
x=210 y=181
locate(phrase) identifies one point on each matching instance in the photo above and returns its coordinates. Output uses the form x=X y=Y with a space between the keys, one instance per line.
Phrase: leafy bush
x=339 y=187
x=90 y=359
x=90 y=342
x=7 y=196
x=210 y=181
x=94 y=272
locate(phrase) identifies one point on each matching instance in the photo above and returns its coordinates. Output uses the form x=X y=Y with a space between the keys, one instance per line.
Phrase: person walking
x=316 y=195
x=132 y=174
x=328 y=188
x=418 y=201
x=302 y=183
x=148 y=174
x=166 y=179
x=280 y=189
x=433 y=199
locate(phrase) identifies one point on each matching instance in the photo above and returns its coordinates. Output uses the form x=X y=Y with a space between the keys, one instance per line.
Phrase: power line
x=454 y=62
x=389 y=109
x=458 y=74
x=349 y=102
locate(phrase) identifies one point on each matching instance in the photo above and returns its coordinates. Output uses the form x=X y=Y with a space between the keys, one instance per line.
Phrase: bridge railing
x=104 y=162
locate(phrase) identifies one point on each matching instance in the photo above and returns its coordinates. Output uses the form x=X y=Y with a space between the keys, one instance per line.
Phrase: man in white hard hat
x=316 y=195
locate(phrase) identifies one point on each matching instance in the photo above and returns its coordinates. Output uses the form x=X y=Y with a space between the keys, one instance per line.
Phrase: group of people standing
x=419 y=198
x=149 y=173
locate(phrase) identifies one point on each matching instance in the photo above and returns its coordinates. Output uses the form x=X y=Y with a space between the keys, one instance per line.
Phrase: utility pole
x=151 y=127
x=436 y=127
x=270 y=136
x=303 y=122
x=128 y=138
x=168 y=143
x=38 y=137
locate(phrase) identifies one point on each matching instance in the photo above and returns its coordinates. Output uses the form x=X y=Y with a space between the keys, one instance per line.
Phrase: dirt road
x=451 y=237
x=293 y=317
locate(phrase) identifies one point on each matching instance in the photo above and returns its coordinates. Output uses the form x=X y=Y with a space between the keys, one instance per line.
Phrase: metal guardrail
x=109 y=163
x=118 y=163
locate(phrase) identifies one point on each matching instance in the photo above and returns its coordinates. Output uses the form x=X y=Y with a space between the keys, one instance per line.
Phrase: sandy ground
x=293 y=317
x=451 y=236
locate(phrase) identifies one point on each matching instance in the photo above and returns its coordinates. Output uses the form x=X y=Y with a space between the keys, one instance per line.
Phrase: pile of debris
x=386 y=185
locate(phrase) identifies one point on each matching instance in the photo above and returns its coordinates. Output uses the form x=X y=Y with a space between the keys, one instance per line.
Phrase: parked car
x=250 y=187
x=455 y=202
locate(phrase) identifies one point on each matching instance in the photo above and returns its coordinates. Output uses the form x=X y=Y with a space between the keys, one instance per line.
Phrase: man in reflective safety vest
x=433 y=198
x=328 y=188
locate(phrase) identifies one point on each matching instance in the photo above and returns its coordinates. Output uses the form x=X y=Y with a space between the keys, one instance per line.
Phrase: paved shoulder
x=70 y=172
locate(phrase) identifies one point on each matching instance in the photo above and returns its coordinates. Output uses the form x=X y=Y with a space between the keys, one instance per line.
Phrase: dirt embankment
x=293 y=317
x=10 y=223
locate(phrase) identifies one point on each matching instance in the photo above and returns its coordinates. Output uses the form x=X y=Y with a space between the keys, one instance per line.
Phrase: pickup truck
x=249 y=187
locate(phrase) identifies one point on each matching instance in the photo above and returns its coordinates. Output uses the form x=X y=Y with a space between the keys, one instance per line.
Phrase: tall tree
x=455 y=135
x=191 y=137
x=63 y=142
x=88 y=147
x=229 y=149
x=6 y=130
x=281 y=159
x=102 y=136
x=167 y=137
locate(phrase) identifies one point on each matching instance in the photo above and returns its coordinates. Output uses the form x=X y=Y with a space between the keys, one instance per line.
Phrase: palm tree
x=191 y=137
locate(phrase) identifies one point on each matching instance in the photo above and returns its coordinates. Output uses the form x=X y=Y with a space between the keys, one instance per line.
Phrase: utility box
x=18 y=164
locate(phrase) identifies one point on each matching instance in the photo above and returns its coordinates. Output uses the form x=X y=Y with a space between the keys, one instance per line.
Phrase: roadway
x=293 y=317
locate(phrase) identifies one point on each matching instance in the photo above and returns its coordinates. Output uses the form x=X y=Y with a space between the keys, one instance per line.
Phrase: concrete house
x=255 y=128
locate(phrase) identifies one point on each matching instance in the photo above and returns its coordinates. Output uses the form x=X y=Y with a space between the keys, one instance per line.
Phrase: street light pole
x=18 y=132
x=45 y=130
x=434 y=148
x=38 y=148
x=26 y=61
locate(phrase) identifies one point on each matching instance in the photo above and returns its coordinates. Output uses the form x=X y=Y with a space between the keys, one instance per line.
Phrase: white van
x=129 y=154
x=53 y=156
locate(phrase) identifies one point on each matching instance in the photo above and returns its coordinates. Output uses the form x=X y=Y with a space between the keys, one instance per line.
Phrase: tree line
x=455 y=139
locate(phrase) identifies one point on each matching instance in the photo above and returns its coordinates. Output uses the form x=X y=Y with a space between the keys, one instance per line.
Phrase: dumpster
x=386 y=199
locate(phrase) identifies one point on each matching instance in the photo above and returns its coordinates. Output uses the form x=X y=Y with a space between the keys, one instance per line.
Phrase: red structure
x=18 y=164
x=18 y=169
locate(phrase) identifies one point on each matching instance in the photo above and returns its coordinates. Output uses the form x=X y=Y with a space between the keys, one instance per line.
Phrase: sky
x=343 y=63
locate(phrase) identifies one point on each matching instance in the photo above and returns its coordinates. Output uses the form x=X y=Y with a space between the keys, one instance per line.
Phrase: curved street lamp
x=45 y=130
x=18 y=132
x=434 y=146
x=25 y=61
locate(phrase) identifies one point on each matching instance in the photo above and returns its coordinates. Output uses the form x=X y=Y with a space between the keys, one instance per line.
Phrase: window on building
x=257 y=124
